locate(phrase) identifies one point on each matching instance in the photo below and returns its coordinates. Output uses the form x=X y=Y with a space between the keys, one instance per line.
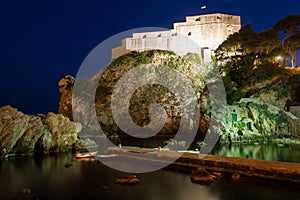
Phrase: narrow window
x=248 y=125
x=234 y=117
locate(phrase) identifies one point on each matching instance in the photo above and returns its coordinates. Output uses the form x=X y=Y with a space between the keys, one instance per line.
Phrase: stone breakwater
x=237 y=168
x=22 y=134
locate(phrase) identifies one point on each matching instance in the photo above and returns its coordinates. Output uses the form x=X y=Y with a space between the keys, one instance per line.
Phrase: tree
x=238 y=44
x=290 y=27
x=293 y=44
x=248 y=40
x=268 y=41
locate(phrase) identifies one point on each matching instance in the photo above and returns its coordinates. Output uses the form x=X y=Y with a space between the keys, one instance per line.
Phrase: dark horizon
x=44 y=41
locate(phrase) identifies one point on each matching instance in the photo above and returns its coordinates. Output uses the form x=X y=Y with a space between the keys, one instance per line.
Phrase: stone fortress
x=206 y=32
x=252 y=118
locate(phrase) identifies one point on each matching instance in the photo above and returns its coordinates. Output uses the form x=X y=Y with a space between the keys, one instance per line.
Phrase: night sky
x=41 y=41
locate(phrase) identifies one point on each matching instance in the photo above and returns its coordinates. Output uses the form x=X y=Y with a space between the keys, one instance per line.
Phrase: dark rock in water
x=88 y=143
x=217 y=175
x=201 y=176
x=22 y=134
x=67 y=165
x=24 y=194
x=235 y=177
x=128 y=180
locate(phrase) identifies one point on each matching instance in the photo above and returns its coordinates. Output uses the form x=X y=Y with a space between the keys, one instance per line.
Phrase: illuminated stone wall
x=207 y=32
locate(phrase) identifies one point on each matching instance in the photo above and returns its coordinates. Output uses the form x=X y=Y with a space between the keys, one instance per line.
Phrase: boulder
x=201 y=176
x=24 y=194
x=64 y=132
x=13 y=125
x=27 y=143
x=128 y=180
x=67 y=165
x=235 y=177
x=22 y=134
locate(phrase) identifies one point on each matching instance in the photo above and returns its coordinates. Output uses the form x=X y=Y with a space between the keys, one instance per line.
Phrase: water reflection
x=283 y=153
x=49 y=179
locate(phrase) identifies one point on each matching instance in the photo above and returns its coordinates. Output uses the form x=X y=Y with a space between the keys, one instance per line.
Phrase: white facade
x=198 y=34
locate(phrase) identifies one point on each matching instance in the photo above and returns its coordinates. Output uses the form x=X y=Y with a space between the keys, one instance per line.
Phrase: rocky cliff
x=22 y=134
x=142 y=98
x=270 y=112
x=148 y=94
x=262 y=116
x=251 y=121
x=65 y=88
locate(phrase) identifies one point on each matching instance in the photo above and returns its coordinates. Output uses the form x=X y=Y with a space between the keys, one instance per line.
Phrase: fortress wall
x=214 y=18
x=153 y=34
x=143 y=44
x=120 y=50
x=207 y=31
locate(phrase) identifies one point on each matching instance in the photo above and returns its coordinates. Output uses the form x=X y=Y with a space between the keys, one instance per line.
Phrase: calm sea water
x=48 y=179
x=283 y=153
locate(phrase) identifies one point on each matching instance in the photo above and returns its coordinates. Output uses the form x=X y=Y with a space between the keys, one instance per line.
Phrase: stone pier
x=273 y=171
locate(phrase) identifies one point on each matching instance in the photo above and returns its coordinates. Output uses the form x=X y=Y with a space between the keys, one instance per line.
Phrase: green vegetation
x=194 y=58
x=290 y=26
x=247 y=58
x=175 y=145
x=265 y=112
x=133 y=58
x=237 y=95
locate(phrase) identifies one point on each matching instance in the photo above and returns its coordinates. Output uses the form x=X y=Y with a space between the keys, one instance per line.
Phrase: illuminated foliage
x=290 y=26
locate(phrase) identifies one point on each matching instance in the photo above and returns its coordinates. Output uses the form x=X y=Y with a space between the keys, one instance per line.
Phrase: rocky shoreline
x=22 y=134
x=256 y=119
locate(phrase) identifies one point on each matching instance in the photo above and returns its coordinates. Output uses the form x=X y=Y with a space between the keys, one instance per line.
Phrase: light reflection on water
x=285 y=153
x=49 y=179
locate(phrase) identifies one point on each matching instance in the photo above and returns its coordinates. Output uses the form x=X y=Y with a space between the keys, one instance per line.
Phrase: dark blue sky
x=41 y=41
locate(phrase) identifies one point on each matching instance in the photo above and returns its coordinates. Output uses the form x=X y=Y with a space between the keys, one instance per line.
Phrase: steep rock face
x=63 y=132
x=282 y=93
x=33 y=132
x=147 y=94
x=13 y=125
x=278 y=94
x=22 y=134
x=142 y=99
x=65 y=88
x=251 y=120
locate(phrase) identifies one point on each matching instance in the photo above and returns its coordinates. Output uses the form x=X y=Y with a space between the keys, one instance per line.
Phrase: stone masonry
x=200 y=34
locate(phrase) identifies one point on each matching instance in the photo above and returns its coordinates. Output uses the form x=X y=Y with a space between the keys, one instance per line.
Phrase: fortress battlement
x=207 y=31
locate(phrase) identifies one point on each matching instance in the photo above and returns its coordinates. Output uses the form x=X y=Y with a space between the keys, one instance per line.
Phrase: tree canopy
x=290 y=26
x=265 y=45
x=247 y=57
